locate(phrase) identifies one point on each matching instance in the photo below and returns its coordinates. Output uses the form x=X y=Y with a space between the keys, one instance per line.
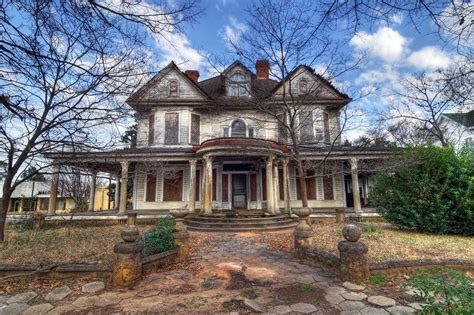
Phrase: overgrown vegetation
x=445 y=291
x=306 y=288
x=430 y=190
x=377 y=279
x=159 y=239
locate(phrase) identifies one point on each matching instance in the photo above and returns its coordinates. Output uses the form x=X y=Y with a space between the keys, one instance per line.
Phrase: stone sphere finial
x=130 y=234
x=351 y=232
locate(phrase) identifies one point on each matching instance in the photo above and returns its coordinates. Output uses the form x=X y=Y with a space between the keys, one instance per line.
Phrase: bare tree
x=288 y=35
x=76 y=185
x=414 y=118
x=66 y=68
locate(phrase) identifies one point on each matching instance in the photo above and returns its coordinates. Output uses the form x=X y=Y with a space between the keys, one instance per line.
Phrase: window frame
x=177 y=88
x=179 y=128
x=182 y=187
x=300 y=82
x=235 y=85
x=244 y=130
x=191 y=129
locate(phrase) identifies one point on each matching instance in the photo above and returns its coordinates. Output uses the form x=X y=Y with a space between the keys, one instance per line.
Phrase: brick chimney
x=192 y=74
x=263 y=68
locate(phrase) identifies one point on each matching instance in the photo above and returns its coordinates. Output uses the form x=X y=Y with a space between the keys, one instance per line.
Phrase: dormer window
x=238 y=85
x=173 y=89
x=303 y=86
x=238 y=128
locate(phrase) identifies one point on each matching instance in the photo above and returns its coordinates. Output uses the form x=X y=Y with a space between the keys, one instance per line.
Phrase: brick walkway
x=227 y=273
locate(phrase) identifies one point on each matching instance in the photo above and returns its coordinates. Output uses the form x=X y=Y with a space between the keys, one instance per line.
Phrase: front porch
x=224 y=174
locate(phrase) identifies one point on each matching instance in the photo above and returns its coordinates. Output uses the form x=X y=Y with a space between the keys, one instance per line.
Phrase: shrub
x=444 y=290
x=159 y=239
x=430 y=190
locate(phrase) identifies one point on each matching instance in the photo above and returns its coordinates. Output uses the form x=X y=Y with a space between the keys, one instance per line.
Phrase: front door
x=239 y=190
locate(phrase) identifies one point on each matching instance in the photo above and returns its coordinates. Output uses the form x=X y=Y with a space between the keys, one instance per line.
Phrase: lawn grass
x=386 y=242
x=74 y=244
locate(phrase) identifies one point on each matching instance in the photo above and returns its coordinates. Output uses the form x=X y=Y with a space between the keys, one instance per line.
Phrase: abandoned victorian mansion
x=228 y=142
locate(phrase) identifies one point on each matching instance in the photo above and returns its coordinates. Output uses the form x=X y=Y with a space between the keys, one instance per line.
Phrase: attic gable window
x=173 y=89
x=238 y=85
x=303 y=86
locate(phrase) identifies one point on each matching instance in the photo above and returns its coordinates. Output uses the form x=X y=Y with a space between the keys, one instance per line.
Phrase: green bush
x=430 y=190
x=159 y=239
x=445 y=291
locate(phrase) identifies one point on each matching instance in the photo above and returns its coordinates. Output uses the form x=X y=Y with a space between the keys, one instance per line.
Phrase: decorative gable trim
x=135 y=98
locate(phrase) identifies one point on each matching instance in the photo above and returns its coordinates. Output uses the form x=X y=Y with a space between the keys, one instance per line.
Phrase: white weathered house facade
x=211 y=145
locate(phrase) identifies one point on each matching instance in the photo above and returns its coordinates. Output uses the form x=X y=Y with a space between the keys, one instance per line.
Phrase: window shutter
x=150 y=187
x=171 y=128
x=225 y=188
x=251 y=132
x=151 y=129
x=326 y=127
x=195 y=129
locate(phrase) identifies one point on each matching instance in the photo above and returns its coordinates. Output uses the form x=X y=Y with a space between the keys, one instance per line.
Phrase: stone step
x=243 y=225
x=243 y=229
x=236 y=219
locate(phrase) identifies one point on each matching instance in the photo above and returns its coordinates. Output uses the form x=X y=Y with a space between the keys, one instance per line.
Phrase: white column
x=208 y=185
x=92 y=190
x=276 y=187
x=53 y=195
x=117 y=193
x=270 y=191
x=355 y=185
x=192 y=185
x=123 y=187
x=286 y=185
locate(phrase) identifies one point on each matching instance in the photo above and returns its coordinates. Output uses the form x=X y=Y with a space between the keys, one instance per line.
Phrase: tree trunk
x=301 y=179
x=3 y=211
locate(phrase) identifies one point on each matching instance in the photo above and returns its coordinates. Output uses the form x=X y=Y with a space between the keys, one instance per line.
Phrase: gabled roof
x=317 y=76
x=465 y=119
x=157 y=77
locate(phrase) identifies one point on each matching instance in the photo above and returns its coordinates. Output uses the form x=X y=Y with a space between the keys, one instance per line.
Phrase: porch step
x=220 y=224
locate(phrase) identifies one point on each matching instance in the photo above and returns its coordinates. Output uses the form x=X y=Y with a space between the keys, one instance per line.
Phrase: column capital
x=193 y=162
x=285 y=161
x=354 y=161
x=124 y=163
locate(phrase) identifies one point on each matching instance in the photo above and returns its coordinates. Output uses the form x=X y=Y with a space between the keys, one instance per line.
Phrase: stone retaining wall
x=94 y=271
x=393 y=269
x=352 y=262
x=153 y=263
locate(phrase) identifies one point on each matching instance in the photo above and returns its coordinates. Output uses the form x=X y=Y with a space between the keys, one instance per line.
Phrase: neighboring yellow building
x=101 y=201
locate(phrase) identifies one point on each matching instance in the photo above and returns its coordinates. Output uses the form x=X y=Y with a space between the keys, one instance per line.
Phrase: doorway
x=239 y=191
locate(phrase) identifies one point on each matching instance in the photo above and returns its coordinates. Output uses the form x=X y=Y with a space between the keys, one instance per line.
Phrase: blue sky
x=394 y=50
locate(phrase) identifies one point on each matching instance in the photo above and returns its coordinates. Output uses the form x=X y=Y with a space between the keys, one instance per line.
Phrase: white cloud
x=233 y=31
x=396 y=18
x=386 y=44
x=176 y=46
x=372 y=77
x=429 y=57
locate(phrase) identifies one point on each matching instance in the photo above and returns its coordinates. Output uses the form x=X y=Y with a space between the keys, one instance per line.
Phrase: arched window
x=303 y=86
x=238 y=85
x=173 y=88
x=238 y=128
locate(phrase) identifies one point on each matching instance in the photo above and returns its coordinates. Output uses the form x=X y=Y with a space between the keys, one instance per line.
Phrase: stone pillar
x=270 y=190
x=132 y=218
x=117 y=193
x=355 y=185
x=180 y=233
x=286 y=185
x=208 y=185
x=302 y=232
x=53 y=195
x=353 y=255
x=340 y=215
x=128 y=267
x=123 y=187
x=192 y=185
x=21 y=206
x=92 y=190
x=276 y=187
